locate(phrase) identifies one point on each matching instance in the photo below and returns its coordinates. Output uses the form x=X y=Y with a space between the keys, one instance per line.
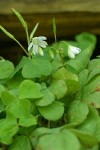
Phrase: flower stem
x=61 y=57
x=27 y=35
x=22 y=47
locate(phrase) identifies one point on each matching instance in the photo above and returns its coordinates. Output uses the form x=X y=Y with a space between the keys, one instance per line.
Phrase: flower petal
x=71 y=54
x=42 y=38
x=75 y=50
x=30 y=46
x=42 y=44
x=35 y=38
x=35 y=49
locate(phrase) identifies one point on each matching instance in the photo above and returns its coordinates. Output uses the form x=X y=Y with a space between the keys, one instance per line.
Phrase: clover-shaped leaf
x=8 y=128
x=78 y=111
x=35 y=68
x=29 y=89
x=59 y=141
x=53 y=111
x=6 y=69
x=21 y=110
x=58 y=88
x=47 y=99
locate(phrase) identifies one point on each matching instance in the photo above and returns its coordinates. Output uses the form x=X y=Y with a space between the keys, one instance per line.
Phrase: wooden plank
x=68 y=24
x=49 y=6
x=72 y=17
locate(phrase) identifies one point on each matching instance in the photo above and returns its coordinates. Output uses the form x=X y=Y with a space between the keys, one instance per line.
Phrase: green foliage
x=52 y=112
x=47 y=99
x=29 y=89
x=38 y=68
x=54 y=29
x=8 y=128
x=50 y=103
x=21 y=142
x=58 y=88
x=33 y=31
x=6 y=69
x=59 y=141
x=78 y=111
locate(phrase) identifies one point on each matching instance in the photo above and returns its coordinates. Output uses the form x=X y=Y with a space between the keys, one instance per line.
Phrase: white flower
x=72 y=51
x=37 y=44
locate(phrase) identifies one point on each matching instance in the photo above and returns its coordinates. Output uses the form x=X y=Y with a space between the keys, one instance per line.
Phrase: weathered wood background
x=72 y=17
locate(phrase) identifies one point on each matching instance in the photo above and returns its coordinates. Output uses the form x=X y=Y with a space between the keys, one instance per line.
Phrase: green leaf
x=6 y=69
x=23 y=22
x=92 y=86
x=20 y=65
x=58 y=88
x=7 y=33
x=12 y=37
x=87 y=140
x=94 y=69
x=64 y=74
x=86 y=37
x=8 y=128
x=93 y=73
x=53 y=111
x=81 y=60
x=64 y=46
x=98 y=56
x=34 y=111
x=56 y=62
x=96 y=147
x=42 y=131
x=21 y=109
x=91 y=122
x=29 y=89
x=77 y=112
x=64 y=140
x=54 y=29
x=93 y=64
x=14 y=92
x=47 y=99
x=21 y=19
x=2 y=108
x=14 y=81
x=68 y=126
x=70 y=79
x=72 y=86
x=7 y=98
x=36 y=68
x=83 y=75
x=33 y=31
x=2 y=88
x=97 y=131
x=93 y=99
x=20 y=143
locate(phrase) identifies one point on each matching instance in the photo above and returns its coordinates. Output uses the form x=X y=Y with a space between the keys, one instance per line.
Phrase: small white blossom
x=37 y=44
x=72 y=51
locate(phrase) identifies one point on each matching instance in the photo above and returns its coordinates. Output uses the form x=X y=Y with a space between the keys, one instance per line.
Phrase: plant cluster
x=51 y=99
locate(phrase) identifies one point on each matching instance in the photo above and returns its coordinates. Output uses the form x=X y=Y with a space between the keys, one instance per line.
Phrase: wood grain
x=68 y=24
x=49 y=6
x=72 y=17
